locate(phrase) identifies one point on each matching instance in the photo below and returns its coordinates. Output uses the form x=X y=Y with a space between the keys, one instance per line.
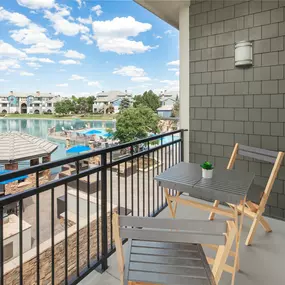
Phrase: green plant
x=207 y=165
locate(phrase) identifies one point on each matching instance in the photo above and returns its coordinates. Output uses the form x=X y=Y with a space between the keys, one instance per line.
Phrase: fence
x=69 y=219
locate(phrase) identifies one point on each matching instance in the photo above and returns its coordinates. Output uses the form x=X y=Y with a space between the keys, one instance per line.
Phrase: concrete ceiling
x=167 y=10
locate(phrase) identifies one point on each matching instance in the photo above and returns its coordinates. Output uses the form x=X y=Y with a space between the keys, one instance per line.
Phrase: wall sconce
x=243 y=53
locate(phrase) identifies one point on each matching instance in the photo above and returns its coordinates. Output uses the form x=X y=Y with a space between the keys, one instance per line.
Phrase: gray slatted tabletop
x=167 y=263
x=228 y=186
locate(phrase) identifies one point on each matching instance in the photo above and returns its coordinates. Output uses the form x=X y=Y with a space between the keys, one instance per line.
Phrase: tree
x=64 y=107
x=136 y=123
x=110 y=109
x=175 y=109
x=90 y=101
x=125 y=104
x=148 y=99
x=81 y=105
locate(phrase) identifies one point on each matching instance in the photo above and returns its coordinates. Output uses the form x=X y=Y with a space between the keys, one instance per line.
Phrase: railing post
x=1 y=246
x=182 y=145
x=104 y=217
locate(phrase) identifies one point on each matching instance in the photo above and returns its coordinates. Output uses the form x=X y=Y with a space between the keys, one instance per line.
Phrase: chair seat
x=255 y=193
x=167 y=263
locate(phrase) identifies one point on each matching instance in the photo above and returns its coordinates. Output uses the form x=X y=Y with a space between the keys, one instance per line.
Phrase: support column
x=47 y=172
x=67 y=142
x=11 y=166
x=184 y=44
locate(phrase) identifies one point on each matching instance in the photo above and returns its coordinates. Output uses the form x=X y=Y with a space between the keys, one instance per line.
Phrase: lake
x=39 y=128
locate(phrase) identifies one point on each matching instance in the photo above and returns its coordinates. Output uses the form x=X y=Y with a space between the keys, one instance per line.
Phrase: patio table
x=227 y=186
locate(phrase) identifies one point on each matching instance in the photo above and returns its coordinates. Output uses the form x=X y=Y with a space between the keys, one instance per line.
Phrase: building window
x=4 y=104
x=49 y=104
x=37 y=105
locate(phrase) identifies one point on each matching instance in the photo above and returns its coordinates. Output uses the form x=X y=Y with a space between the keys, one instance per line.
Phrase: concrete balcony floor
x=262 y=263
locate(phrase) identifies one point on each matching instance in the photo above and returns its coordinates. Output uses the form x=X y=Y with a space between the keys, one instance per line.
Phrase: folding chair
x=257 y=195
x=169 y=251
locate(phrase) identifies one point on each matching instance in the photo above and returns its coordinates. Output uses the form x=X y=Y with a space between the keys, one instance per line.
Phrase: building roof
x=165 y=108
x=163 y=99
x=165 y=9
x=111 y=96
x=16 y=146
x=21 y=94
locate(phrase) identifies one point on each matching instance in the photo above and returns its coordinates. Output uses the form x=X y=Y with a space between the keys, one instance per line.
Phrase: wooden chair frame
x=232 y=213
x=252 y=210
x=219 y=264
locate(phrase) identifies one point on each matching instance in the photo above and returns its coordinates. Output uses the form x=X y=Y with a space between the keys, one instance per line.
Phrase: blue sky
x=83 y=47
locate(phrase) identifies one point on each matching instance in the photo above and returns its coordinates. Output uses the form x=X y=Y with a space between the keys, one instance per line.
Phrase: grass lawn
x=71 y=117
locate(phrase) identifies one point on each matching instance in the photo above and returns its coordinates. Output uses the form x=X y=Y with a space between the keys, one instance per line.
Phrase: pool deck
x=72 y=135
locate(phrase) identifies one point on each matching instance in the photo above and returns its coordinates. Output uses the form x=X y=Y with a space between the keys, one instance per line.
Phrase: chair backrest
x=273 y=157
x=172 y=230
x=258 y=153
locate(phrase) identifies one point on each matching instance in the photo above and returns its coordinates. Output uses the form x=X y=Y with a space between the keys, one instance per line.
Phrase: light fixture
x=243 y=53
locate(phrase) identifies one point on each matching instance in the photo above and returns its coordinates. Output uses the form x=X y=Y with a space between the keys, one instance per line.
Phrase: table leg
x=172 y=212
x=176 y=203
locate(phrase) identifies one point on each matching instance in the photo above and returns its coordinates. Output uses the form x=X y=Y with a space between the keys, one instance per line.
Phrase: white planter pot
x=207 y=173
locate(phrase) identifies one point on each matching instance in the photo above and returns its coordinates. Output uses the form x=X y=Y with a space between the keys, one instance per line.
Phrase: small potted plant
x=207 y=169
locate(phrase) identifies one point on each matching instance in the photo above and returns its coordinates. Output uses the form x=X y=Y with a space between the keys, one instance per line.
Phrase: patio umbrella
x=78 y=149
x=12 y=179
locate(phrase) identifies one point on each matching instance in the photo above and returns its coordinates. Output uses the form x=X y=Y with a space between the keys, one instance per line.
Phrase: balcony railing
x=59 y=230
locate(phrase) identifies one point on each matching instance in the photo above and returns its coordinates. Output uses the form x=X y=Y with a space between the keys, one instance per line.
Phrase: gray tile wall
x=228 y=104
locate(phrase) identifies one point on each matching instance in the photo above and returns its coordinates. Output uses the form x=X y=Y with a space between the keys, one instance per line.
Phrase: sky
x=82 y=47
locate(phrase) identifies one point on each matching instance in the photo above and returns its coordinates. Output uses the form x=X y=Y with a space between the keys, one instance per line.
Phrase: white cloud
x=168 y=32
x=130 y=70
x=137 y=74
x=39 y=59
x=62 y=10
x=87 y=39
x=170 y=85
x=24 y=73
x=177 y=73
x=174 y=63
x=40 y=49
x=7 y=64
x=35 y=36
x=97 y=9
x=76 y=77
x=3 y=80
x=173 y=69
x=157 y=37
x=8 y=50
x=74 y=54
x=69 y=61
x=170 y=82
x=94 y=83
x=62 y=85
x=36 y=4
x=65 y=27
x=34 y=64
x=140 y=79
x=114 y=35
x=79 y=2
x=13 y=18
x=85 y=21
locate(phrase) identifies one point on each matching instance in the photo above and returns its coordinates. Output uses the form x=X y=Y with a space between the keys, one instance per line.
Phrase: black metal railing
x=69 y=218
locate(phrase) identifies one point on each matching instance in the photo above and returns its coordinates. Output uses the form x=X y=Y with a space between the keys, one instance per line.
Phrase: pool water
x=99 y=133
x=39 y=128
